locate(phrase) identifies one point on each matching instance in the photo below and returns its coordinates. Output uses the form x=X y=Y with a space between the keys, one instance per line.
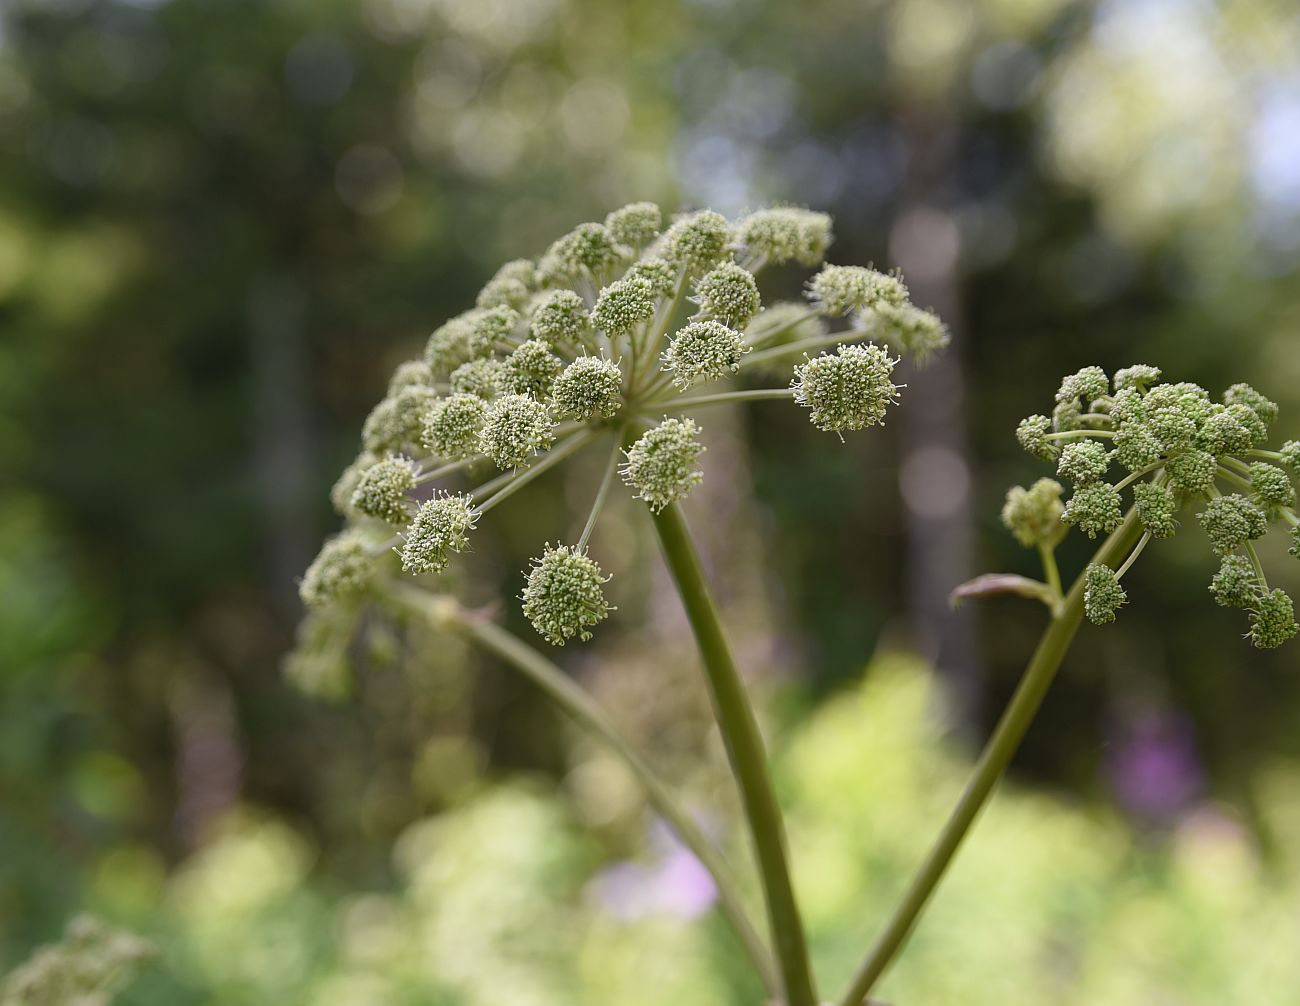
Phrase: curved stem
x=1051 y=570
x=505 y=485
x=721 y=398
x=606 y=481
x=993 y=761
x=745 y=750
x=570 y=697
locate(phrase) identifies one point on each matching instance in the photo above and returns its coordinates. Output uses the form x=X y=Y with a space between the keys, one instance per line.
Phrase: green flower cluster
x=1175 y=447
x=603 y=339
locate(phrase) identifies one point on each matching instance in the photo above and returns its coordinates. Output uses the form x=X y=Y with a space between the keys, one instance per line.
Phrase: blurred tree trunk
x=935 y=473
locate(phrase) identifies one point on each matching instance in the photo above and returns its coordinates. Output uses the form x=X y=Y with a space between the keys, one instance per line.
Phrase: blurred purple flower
x=674 y=883
x=1153 y=766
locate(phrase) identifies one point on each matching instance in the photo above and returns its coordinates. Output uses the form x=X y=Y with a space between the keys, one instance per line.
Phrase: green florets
x=441 y=525
x=1224 y=433
x=382 y=490
x=1244 y=394
x=563 y=595
x=728 y=294
x=1033 y=515
x=784 y=234
x=560 y=318
x=515 y=428
x=1138 y=377
x=411 y=374
x=1096 y=509
x=346 y=484
x=660 y=466
x=590 y=387
x=847 y=390
x=1032 y=434
x=452 y=427
x=1231 y=521
x=1192 y=473
x=839 y=289
x=1272 y=487
x=1272 y=622
x=657 y=273
x=1082 y=462
x=1295 y=542
x=588 y=249
x=1090 y=383
x=510 y=287
x=1136 y=447
x=395 y=423
x=532 y=368
x=622 y=306
x=635 y=225
x=703 y=351
x=342 y=570
x=1290 y=452
x=697 y=241
x=1102 y=594
x=919 y=334
x=1156 y=507
x=485 y=378
x=1236 y=584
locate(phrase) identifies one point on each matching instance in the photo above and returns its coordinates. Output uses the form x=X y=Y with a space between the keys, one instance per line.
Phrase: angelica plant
x=610 y=341
x=1140 y=457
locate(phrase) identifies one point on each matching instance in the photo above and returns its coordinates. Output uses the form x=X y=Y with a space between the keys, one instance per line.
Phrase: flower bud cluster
x=589 y=344
x=1178 y=446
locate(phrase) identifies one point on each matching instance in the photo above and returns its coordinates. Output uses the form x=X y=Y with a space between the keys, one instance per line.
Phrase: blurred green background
x=223 y=222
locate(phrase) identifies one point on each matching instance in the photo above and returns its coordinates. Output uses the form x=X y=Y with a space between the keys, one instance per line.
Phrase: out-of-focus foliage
x=503 y=897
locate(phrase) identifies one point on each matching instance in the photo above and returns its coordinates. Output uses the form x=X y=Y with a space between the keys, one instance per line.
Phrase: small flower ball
x=1082 y=462
x=839 y=289
x=1095 y=508
x=485 y=378
x=1244 y=394
x=849 y=389
x=1191 y=472
x=1271 y=487
x=728 y=294
x=515 y=428
x=381 y=491
x=784 y=234
x=1138 y=377
x=1033 y=515
x=346 y=484
x=1223 y=433
x=510 y=287
x=636 y=224
x=703 y=351
x=697 y=241
x=560 y=318
x=1102 y=594
x=532 y=369
x=1236 y=584
x=1136 y=446
x=1032 y=434
x=451 y=344
x=1156 y=507
x=590 y=387
x=563 y=596
x=661 y=465
x=411 y=374
x=1291 y=455
x=920 y=334
x=441 y=525
x=452 y=427
x=1273 y=622
x=657 y=273
x=343 y=569
x=622 y=306
x=396 y=421
x=1231 y=521
x=588 y=249
x=1090 y=383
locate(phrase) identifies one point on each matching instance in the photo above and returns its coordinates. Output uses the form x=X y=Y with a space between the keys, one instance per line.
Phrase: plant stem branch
x=745 y=750
x=605 y=482
x=993 y=761
x=505 y=485
x=721 y=398
x=573 y=700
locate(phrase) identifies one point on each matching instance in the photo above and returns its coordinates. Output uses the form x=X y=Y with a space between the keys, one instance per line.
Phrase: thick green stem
x=744 y=745
x=993 y=761
x=561 y=690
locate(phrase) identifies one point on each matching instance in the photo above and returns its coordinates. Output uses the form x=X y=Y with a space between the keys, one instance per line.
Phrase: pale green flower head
x=1180 y=449
x=1033 y=515
x=588 y=349
x=1103 y=595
